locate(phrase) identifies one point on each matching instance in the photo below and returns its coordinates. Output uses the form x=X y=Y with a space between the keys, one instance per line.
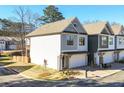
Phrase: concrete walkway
x=96 y=73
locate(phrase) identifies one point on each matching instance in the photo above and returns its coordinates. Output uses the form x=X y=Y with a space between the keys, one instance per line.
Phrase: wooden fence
x=23 y=59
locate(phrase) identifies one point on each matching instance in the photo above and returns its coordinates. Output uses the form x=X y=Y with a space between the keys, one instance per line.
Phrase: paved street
x=9 y=78
x=113 y=80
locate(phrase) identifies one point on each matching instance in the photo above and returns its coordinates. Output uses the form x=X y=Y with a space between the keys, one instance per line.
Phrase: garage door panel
x=108 y=57
x=121 y=55
x=77 y=60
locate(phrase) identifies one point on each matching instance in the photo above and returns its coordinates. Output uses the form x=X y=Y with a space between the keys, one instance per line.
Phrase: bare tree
x=32 y=19
x=88 y=21
x=115 y=23
x=28 y=22
x=21 y=13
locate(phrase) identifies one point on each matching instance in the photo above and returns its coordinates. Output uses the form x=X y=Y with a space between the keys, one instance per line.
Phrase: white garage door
x=108 y=57
x=77 y=60
x=121 y=55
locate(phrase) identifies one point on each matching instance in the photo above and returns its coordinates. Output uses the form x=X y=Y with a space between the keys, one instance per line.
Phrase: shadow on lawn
x=13 y=70
x=5 y=71
x=10 y=70
x=20 y=69
x=6 y=63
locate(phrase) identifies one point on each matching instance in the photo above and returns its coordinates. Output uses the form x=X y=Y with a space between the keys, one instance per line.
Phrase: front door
x=91 y=59
x=65 y=62
x=101 y=59
x=117 y=56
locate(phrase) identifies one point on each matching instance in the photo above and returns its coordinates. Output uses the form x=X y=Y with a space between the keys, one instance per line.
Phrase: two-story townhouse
x=119 y=41
x=59 y=45
x=100 y=43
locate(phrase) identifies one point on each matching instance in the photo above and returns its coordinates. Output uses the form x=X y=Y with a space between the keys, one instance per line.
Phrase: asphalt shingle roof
x=117 y=29
x=6 y=38
x=95 y=28
x=51 y=28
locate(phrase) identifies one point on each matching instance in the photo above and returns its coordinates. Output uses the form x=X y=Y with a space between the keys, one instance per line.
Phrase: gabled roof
x=6 y=38
x=97 y=27
x=117 y=28
x=52 y=28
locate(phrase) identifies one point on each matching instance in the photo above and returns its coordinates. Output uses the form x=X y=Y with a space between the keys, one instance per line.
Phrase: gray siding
x=79 y=27
x=70 y=29
x=92 y=43
x=64 y=45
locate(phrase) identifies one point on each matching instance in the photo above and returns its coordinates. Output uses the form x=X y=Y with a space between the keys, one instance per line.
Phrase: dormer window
x=75 y=25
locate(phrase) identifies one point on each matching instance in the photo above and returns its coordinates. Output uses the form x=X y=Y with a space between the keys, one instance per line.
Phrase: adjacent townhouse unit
x=101 y=43
x=60 y=45
x=8 y=43
x=119 y=41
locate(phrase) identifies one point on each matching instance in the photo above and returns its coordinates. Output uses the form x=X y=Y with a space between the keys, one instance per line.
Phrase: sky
x=82 y=12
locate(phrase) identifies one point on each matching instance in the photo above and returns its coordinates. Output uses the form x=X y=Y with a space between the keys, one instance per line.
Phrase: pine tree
x=51 y=14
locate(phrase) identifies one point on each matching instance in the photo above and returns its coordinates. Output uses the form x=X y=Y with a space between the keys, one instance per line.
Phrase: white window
x=121 y=41
x=110 y=41
x=81 y=41
x=70 y=40
x=103 y=42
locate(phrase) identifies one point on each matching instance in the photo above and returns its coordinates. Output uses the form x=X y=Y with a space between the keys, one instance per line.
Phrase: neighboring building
x=119 y=41
x=60 y=45
x=8 y=43
x=100 y=43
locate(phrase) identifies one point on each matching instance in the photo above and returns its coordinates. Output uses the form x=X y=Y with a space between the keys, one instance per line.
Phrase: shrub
x=70 y=72
x=44 y=74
